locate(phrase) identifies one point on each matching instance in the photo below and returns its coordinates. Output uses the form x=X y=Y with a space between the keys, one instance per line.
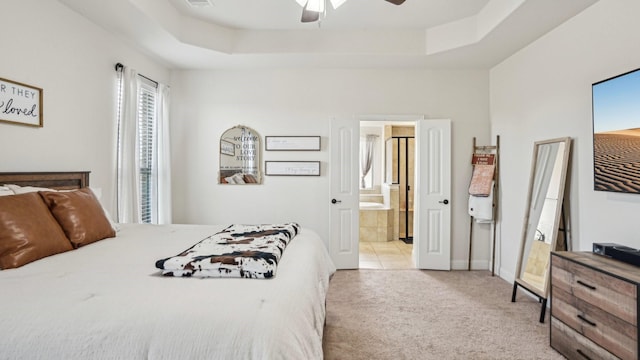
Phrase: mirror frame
x=240 y=155
x=543 y=292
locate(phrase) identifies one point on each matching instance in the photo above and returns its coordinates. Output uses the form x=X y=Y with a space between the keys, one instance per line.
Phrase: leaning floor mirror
x=544 y=225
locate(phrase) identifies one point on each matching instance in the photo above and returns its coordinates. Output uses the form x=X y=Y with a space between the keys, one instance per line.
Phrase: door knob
x=445 y=201
x=334 y=201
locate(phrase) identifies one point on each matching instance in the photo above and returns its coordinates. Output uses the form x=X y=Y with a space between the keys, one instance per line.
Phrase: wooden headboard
x=62 y=180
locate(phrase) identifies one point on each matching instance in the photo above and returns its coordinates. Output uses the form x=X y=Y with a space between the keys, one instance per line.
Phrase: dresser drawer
x=611 y=294
x=604 y=329
x=573 y=345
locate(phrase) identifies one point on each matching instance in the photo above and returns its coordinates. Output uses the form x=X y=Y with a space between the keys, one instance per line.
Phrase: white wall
x=46 y=45
x=72 y=59
x=302 y=102
x=544 y=92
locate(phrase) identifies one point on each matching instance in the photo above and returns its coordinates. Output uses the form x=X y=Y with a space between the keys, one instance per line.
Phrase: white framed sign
x=299 y=143
x=20 y=103
x=227 y=148
x=292 y=168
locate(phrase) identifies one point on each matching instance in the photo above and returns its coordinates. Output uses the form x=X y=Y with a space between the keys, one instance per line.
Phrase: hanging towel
x=481 y=180
x=481 y=207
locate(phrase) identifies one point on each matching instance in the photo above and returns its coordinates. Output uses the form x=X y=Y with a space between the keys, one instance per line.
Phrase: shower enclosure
x=400 y=170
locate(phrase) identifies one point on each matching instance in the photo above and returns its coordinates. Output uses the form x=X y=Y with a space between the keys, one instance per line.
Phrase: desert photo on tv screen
x=616 y=133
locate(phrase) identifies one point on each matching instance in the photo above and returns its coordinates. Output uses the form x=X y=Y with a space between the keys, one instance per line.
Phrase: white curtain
x=128 y=193
x=128 y=171
x=164 y=158
x=366 y=160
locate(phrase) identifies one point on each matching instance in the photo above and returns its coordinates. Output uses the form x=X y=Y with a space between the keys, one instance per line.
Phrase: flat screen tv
x=616 y=133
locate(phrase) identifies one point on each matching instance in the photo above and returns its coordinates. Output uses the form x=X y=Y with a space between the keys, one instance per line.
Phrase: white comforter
x=107 y=301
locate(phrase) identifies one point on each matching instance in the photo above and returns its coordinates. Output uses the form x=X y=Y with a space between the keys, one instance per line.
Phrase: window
x=367 y=159
x=140 y=138
x=143 y=172
x=147 y=147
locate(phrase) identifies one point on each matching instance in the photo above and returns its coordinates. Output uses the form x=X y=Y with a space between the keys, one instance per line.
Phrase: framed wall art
x=292 y=168
x=227 y=148
x=288 y=143
x=616 y=133
x=20 y=103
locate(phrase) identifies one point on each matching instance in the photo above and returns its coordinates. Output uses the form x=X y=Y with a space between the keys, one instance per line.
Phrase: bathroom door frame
x=432 y=229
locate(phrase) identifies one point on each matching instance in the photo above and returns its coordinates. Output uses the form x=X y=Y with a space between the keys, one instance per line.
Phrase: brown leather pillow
x=28 y=231
x=80 y=215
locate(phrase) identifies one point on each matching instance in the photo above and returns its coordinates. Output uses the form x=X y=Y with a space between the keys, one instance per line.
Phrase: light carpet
x=414 y=314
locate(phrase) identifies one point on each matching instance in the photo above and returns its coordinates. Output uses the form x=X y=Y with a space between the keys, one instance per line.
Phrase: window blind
x=147 y=150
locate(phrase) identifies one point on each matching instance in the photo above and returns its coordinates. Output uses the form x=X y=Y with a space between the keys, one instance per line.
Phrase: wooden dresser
x=594 y=306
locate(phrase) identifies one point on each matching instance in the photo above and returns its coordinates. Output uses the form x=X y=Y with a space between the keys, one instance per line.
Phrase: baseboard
x=475 y=265
x=508 y=276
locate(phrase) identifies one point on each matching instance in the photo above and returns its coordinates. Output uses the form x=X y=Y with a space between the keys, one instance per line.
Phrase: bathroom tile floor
x=385 y=255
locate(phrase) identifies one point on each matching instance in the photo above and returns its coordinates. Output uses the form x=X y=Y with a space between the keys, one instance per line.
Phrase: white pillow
x=98 y=193
x=4 y=191
x=238 y=178
x=26 y=189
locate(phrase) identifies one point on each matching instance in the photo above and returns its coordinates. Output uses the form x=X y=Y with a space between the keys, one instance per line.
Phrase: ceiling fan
x=311 y=9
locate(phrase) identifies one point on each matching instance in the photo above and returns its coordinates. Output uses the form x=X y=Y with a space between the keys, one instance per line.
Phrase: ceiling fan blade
x=396 y=2
x=308 y=15
x=336 y=3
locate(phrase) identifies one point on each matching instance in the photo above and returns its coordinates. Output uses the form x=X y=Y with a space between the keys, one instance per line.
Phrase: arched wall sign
x=240 y=157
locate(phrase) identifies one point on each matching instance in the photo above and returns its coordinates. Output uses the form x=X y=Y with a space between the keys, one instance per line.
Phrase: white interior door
x=345 y=195
x=432 y=216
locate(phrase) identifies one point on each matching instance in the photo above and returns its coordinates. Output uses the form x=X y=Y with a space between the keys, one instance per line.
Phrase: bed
x=107 y=300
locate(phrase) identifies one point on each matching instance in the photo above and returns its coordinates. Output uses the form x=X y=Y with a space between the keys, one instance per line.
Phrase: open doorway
x=432 y=210
x=387 y=173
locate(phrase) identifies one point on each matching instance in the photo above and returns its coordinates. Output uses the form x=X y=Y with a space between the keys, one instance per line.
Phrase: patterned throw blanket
x=245 y=251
